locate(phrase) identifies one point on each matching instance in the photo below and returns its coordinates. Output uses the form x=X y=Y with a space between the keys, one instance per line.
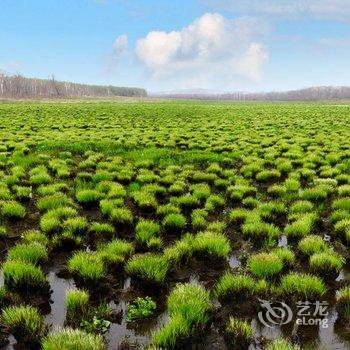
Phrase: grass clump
x=180 y=251
x=282 y=344
x=185 y=201
x=87 y=266
x=344 y=190
x=23 y=193
x=343 y=303
x=102 y=229
x=116 y=190
x=312 y=244
x=5 y=193
x=211 y=244
x=239 y=333
x=260 y=231
x=12 y=210
x=213 y=202
x=317 y=193
x=216 y=226
x=286 y=256
x=339 y=215
x=169 y=208
x=265 y=265
x=73 y=339
x=189 y=309
x=39 y=176
x=122 y=216
x=177 y=187
x=302 y=286
x=33 y=236
x=76 y=302
x=266 y=175
x=52 y=220
x=200 y=191
x=342 y=226
x=88 y=196
x=49 y=223
x=53 y=202
x=301 y=207
x=49 y=190
x=115 y=251
x=198 y=218
x=107 y=205
x=145 y=199
x=150 y=267
x=34 y=253
x=341 y=204
x=239 y=215
x=239 y=191
x=301 y=227
x=174 y=222
x=25 y=323
x=77 y=225
x=326 y=263
x=145 y=230
x=232 y=286
x=23 y=275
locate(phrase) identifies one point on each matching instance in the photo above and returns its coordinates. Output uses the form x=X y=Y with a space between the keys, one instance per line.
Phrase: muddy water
x=59 y=287
x=312 y=337
x=138 y=335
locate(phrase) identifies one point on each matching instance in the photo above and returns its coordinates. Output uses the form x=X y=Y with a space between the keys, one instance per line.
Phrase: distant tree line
x=309 y=94
x=17 y=86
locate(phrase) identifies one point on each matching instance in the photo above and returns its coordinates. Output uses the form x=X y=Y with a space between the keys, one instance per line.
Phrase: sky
x=214 y=45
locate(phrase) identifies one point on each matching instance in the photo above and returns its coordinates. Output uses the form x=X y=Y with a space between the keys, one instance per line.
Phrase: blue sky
x=219 y=45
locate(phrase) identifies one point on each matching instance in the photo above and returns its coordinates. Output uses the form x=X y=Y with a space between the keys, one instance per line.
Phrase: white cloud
x=212 y=51
x=319 y=9
x=120 y=45
x=250 y=63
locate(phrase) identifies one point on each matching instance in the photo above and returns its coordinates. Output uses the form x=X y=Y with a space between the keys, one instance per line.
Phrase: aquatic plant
x=140 y=308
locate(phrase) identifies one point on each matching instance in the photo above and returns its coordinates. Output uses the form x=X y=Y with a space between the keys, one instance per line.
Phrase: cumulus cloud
x=120 y=45
x=319 y=9
x=212 y=50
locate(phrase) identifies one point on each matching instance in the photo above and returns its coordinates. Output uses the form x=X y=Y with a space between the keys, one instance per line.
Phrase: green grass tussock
x=189 y=308
x=73 y=339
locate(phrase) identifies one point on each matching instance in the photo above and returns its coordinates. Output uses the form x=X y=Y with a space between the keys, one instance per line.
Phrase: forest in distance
x=19 y=87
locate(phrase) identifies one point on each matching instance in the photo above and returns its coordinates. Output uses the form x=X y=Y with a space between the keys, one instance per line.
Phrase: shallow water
x=233 y=262
x=60 y=287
